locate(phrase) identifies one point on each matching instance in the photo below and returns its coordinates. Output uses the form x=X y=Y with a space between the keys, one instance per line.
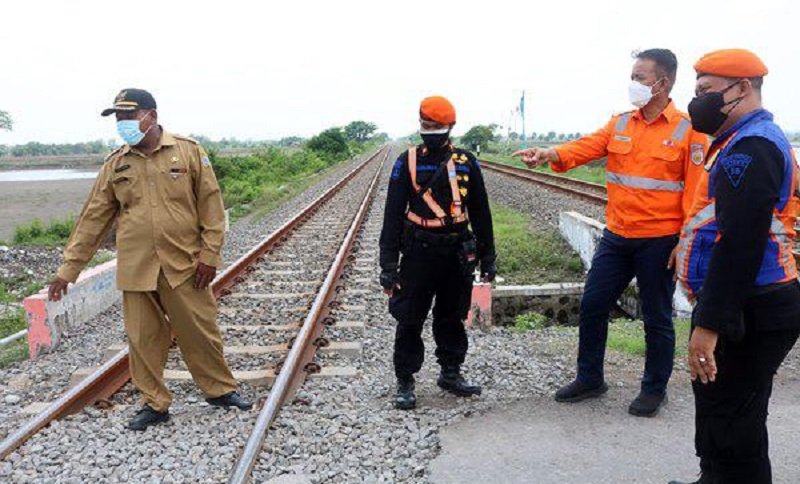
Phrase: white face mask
x=639 y=94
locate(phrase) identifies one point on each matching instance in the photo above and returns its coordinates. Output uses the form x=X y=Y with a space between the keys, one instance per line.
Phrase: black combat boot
x=405 y=398
x=232 y=399
x=147 y=417
x=450 y=379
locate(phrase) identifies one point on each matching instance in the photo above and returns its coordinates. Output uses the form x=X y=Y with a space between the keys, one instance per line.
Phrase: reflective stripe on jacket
x=652 y=169
x=701 y=232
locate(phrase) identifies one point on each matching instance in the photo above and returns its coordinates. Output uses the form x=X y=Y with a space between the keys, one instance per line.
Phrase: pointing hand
x=534 y=157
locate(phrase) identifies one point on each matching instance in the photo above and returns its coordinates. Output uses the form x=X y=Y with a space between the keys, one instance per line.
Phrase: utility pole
x=522 y=113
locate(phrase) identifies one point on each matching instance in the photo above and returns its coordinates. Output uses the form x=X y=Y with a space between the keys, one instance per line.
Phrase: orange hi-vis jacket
x=652 y=169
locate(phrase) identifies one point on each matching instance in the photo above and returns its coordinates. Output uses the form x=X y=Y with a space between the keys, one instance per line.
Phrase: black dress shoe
x=147 y=417
x=232 y=399
x=577 y=391
x=647 y=405
x=405 y=399
x=450 y=380
x=699 y=481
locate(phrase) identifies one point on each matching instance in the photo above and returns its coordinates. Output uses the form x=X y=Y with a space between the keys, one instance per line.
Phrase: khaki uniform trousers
x=192 y=318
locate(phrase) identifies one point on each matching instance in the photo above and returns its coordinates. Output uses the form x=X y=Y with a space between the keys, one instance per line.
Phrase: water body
x=46 y=175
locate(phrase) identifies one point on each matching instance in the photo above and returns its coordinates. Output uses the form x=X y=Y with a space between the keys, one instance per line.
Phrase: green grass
x=529 y=322
x=627 y=336
x=272 y=196
x=594 y=172
x=17 y=288
x=101 y=257
x=48 y=234
x=530 y=256
x=10 y=323
x=260 y=182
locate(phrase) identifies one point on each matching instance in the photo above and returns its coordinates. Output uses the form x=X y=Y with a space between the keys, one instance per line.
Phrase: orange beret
x=438 y=109
x=731 y=63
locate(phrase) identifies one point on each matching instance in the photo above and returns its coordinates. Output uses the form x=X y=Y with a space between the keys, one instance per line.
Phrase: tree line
x=335 y=142
x=485 y=134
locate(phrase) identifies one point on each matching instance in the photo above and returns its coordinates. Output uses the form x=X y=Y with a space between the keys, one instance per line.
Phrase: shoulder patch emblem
x=397 y=168
x=206 y=161
x=735 y=167
x=698 y=156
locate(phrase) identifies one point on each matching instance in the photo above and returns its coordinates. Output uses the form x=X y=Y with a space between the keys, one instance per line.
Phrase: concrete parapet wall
x=559 y=302
x=48 y=322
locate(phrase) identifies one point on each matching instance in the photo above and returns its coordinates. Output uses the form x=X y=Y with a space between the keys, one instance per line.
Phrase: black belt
x=446 y=238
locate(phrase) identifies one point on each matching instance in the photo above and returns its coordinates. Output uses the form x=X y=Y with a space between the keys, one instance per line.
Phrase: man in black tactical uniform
x=436 y=191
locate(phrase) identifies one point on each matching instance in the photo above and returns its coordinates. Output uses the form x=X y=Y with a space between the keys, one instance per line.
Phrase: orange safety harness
x=457 y=215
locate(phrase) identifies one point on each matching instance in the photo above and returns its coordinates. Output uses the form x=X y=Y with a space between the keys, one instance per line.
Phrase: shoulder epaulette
x=186 y=138
x=113 y=154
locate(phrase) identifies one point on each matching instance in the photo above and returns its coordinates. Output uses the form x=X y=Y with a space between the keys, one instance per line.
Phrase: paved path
x=541 y=441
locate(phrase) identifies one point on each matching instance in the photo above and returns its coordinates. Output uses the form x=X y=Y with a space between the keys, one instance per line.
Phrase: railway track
x=592 y=192
x=274 y=304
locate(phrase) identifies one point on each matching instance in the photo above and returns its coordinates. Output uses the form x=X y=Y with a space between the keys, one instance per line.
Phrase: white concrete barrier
x=550 y=289
x=48 y=322
x=583 y=234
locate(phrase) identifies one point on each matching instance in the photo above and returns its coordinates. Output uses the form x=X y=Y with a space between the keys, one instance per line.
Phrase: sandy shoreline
x=22 y=202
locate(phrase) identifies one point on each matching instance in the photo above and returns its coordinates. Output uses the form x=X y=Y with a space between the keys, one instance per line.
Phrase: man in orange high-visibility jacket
x=654 y=161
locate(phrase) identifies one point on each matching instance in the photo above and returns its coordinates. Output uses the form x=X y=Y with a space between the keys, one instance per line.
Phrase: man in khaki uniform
x=161 y=189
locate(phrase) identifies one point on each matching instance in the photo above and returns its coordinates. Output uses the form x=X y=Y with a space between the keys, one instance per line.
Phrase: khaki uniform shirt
x=169 y=210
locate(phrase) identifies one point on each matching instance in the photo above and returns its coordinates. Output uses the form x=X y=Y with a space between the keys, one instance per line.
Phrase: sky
x=265 y=70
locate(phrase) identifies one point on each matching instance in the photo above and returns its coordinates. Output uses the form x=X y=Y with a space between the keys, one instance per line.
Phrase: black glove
x=488 y=270
x=389 y=278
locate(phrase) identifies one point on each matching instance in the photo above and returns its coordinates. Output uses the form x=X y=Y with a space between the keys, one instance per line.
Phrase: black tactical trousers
x=731 y=413
x=427 y=272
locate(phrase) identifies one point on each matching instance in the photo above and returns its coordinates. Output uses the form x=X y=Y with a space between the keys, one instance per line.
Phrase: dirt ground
x=22 y=202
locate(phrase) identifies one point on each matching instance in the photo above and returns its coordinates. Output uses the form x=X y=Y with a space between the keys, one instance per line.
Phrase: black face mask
x=706 y=111
x=435 y=142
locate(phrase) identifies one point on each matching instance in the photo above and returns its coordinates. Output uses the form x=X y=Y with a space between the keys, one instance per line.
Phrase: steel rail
x=297 y=364
x=112 y=375
x=591 y=191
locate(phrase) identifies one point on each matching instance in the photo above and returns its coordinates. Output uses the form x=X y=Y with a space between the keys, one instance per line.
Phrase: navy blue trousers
x=616 y=262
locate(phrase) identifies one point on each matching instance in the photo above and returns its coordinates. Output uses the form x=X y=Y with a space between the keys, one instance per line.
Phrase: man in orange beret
x=436 y=192
x=735 y=259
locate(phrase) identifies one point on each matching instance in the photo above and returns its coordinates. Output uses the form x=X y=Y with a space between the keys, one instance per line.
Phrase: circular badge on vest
x=697 y=154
